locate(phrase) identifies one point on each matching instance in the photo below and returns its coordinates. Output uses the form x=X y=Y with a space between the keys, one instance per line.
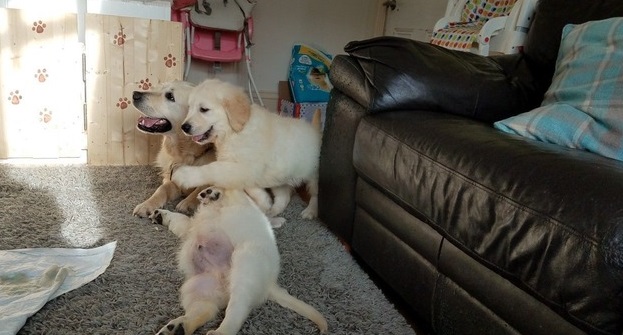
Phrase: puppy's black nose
x=186 y=128
x=136 y=95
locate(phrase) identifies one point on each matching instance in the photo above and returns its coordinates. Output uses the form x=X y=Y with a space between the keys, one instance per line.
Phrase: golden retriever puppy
x=163 y=111
x=255 y=148
x=230 y=260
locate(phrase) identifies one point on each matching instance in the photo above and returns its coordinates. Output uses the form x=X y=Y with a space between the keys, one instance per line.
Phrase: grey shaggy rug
x=76 y=206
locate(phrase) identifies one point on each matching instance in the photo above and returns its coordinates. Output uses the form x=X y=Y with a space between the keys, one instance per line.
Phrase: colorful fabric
x=462 y=35
x=458 y=36
x=476 y=10
x=583 y=107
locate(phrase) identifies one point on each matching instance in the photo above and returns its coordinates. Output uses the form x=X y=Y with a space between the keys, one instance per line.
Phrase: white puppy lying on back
x=230 y=259
x=255 y=148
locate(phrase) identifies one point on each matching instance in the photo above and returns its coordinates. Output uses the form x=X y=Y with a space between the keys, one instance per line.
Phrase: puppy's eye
x=169 y=96
x=203 y=109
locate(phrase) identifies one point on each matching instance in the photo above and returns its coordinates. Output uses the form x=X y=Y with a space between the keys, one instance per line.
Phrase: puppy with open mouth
x=255 y=148
x=163 y=110
x=230 y=260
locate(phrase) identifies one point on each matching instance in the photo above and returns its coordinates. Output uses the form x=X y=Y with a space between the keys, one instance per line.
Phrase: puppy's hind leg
x=247 y=289
x=177 y=223
x=312 y=207
x=260 y=197
x=202 y=299
x=282 y=195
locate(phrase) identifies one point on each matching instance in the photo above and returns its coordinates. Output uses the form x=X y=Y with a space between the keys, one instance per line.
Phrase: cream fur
x=241 y=270
x=255 y=148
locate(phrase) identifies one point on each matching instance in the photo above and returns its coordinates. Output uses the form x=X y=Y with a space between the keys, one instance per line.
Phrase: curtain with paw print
x=41 y=87
x=60 y=98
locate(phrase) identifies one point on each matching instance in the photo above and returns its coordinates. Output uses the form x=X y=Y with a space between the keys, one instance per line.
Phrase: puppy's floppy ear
x=238 y=109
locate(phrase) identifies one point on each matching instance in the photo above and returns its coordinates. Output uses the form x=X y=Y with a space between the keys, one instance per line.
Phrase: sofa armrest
x=337 y=176
x=404 y=74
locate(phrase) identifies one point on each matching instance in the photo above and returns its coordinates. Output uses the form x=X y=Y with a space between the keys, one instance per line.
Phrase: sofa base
x=444 y=285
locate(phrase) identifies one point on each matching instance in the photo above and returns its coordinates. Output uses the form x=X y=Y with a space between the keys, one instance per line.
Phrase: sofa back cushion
x=543 y=40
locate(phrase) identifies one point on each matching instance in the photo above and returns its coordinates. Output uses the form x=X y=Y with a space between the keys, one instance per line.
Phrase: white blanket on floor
x=31 y=277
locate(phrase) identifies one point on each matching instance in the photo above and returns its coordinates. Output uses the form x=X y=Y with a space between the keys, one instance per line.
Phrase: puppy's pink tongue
x=197 y=138
x=148 y=121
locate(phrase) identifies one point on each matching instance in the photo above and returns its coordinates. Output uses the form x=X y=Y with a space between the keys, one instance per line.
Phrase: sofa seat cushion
x=548 y=218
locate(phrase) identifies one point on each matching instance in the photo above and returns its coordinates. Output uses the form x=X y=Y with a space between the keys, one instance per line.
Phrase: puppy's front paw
x=174 y=327
x=187 y=177
x=187 y=205
x=145 y=209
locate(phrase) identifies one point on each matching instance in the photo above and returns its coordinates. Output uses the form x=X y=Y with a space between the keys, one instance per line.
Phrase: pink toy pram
x=217 y=31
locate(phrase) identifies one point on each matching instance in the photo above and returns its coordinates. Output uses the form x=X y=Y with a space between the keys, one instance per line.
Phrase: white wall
x=279 y=24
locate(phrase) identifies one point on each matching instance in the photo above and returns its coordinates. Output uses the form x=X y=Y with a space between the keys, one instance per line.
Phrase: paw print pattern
x=38 y=27
x=41 y=75
x=170 y=61
x=123 y=103
x=15 y=97
x=144 y=84
x=45 y=116
x=119 y=38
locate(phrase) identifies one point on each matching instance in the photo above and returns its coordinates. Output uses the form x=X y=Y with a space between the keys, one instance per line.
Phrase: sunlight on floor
x=81 y=226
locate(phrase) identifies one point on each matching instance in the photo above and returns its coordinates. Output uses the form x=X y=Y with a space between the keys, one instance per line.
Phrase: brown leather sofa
x=481 y=232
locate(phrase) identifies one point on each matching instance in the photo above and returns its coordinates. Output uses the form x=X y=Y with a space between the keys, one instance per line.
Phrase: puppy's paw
x=187 y=177
x=214 y=332
x=156 y=217
x=145 y=209
x=309 y=213
x=174 y=327
x=187 y=205
x=209 y=194
x=159 y=216
x=277 y=222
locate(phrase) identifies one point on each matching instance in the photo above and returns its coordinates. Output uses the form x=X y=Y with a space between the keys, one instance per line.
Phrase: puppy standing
x=255 y=148
x=230 y=259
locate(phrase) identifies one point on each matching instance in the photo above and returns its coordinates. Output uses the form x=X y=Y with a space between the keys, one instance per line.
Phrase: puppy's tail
x=316 y=119
x=283 y=298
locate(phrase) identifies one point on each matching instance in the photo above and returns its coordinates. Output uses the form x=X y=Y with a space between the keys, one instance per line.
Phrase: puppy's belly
x=212 y=252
